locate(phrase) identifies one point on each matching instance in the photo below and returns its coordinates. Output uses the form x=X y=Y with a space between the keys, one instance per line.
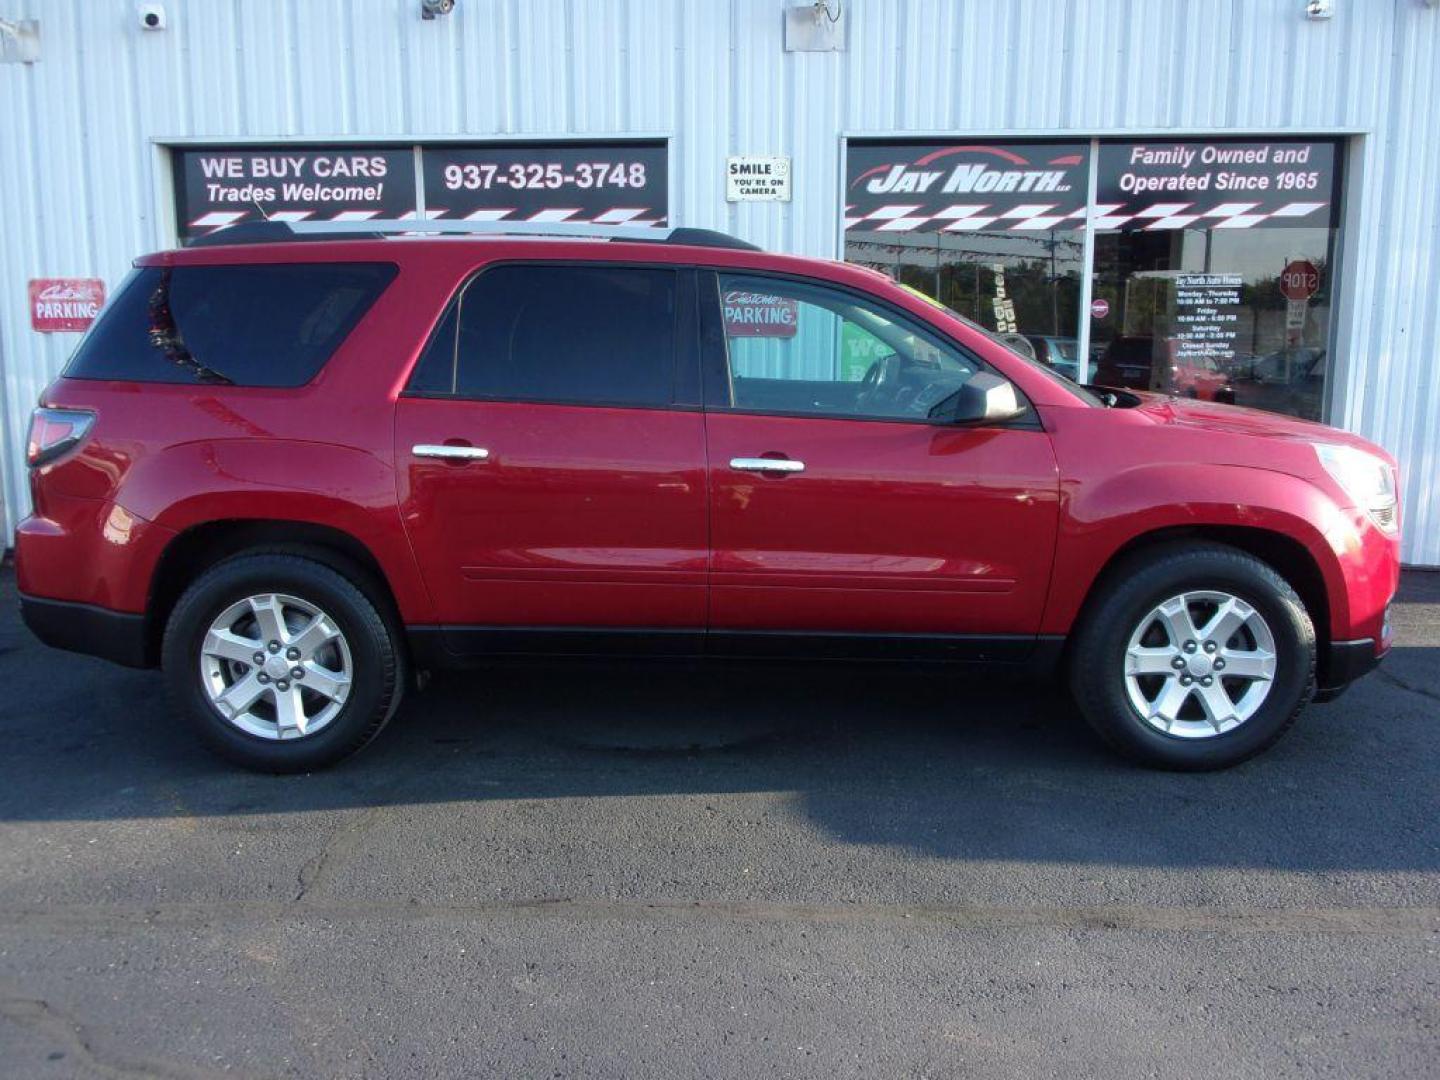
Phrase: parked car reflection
x=1133 y=363
x=1060 y=353
x=1290 y=380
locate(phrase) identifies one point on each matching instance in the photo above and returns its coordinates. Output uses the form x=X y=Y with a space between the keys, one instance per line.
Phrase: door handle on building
x=450 y=453
x=765 y=464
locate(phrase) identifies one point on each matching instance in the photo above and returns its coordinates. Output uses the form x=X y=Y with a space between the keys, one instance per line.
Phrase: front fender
x=1104 y=514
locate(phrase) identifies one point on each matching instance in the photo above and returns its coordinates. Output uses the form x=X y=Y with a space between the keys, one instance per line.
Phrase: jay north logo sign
x=966 y=178
x=1141 y=185
x=965 y=186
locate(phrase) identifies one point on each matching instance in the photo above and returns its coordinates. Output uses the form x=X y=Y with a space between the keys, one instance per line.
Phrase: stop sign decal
x=1299 y=280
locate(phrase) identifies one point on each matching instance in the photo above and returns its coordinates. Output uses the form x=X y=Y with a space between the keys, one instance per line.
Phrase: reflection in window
x=1212 y=258
x=991 y=230
x=1023 y=286
x=1203 y=313
x=1212 y=273
x=251 y=325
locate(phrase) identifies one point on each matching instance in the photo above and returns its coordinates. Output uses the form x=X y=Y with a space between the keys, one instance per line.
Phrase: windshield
x=1075 y=388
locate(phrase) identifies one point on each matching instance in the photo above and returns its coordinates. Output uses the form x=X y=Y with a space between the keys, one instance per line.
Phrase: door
x=838 y=505
x=550 y=457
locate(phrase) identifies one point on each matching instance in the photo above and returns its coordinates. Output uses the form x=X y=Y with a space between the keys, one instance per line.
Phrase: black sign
x=1206 y=318
x=1216 y=184
x=965 y=187
x=221 y=186
x=605 y=184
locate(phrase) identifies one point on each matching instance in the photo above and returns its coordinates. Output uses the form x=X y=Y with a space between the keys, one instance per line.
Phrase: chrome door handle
x=452 y=453
x=765 y=464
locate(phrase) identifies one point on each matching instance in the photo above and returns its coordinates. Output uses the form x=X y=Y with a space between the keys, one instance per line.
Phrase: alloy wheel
x=276 y=666
x=1200 y=664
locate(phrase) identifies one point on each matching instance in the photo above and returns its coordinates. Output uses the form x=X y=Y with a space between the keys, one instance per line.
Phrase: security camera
x=1319 y=9
x=430 y=8
x=152 y=16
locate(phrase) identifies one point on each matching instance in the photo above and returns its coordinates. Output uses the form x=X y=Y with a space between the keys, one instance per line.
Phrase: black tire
x=378 y=661
x=1136 y=586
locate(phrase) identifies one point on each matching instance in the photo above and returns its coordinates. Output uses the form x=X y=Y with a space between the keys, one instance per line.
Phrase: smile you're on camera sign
x=757 y=179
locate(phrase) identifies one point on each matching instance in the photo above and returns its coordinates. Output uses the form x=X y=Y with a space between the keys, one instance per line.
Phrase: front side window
x=587 y=335
x=252 y=325
x=795 y=347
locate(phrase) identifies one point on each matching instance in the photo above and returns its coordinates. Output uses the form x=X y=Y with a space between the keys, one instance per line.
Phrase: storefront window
x=1212 y=273
x=993 y=231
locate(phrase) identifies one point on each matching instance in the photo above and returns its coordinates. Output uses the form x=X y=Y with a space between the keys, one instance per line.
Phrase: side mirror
x=983 y=399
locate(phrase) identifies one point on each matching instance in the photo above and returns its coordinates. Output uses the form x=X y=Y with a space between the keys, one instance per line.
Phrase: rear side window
x=586 y=335
x=254 y=325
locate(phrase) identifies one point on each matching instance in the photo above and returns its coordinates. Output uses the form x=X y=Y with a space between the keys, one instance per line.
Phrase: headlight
x=1367 y=479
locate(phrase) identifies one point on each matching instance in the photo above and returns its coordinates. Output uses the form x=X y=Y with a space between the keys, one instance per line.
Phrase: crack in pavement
x=59 y=1028
x=1323 y=920
x=1395 y=680
x=339 y=847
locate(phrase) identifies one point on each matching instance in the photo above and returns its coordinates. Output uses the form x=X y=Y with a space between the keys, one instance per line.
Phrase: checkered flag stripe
x=962 y=217
x=220 y=219
x=615 y=215
x=965 y=217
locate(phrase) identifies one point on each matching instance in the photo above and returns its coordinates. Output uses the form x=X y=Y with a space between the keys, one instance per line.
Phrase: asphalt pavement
x=674 y=873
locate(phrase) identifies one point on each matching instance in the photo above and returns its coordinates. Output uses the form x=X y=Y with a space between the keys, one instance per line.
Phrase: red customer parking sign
x=65 y=304
x=751 y=314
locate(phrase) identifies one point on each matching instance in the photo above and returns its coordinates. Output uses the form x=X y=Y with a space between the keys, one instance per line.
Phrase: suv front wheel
x=1193 y=657
x=281 y=663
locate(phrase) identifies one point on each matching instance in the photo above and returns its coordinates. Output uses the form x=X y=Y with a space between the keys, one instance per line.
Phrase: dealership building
x=1234 y=200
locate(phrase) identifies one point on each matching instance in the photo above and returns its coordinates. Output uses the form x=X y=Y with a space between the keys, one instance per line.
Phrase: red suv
x=297 y=474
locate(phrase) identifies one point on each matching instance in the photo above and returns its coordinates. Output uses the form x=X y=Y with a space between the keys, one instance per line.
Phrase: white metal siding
x=82 y=187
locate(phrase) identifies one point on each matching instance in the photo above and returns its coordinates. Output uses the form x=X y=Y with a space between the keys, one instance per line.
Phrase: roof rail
x=271 y=232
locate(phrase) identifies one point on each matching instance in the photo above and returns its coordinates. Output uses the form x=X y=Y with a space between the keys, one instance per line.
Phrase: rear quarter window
x=252 y=325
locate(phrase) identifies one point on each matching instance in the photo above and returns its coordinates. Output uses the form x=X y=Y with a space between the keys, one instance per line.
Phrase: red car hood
x=1237 y=420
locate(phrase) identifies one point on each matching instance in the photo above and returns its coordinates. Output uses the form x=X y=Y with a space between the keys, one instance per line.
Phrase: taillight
x=54 y=432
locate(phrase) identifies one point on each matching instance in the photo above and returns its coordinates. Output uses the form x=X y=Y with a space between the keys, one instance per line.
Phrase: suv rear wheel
x=1193 y=657
x=281 y=663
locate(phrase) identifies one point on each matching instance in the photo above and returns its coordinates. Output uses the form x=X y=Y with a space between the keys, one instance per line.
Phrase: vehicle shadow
x=946 y=767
